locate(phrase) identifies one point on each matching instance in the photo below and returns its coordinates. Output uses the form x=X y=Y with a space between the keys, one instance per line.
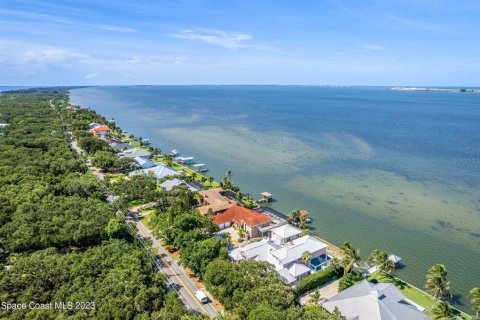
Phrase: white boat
x=173 y=153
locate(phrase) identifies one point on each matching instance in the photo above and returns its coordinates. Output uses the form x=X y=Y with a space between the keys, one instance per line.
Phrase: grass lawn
x=412 y=293
x=115 y=177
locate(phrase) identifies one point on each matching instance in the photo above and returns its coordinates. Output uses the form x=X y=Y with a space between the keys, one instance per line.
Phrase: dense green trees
x=142 y=188
x=115 y=276
x=91 y=144
x=199 y=254
x=55 y=223
x=110 y=162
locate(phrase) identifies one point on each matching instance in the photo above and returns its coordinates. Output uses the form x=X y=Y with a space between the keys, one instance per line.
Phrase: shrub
x=348 y=280
x=315 y=280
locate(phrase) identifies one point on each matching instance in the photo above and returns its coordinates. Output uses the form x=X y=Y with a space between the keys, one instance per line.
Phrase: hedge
x=315 y=280
x=348 y=280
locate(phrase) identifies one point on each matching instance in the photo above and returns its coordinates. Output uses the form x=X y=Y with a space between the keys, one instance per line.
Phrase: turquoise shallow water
x=398 y=171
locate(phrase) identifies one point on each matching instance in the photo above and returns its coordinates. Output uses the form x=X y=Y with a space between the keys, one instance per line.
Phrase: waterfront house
x=284 y=234
x=120 y=146
x=285 y=256
x=170 y=184
x=101 y=130
x=214 y=201
x=368 y=301
x=144 y=163
x=249 y=220
x=134 y=152
x=159 y=172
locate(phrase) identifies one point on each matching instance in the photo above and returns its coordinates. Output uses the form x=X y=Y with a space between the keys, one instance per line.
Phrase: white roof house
x=120 y=146
x=257 y=251
x=159 y=172
x=170 y=184
x=134 y=152
x=144 y=163
x=293 y=252
x=298 y=270
x=285 y=233
x=368 y=301
x=285 y=257
x=286 y=276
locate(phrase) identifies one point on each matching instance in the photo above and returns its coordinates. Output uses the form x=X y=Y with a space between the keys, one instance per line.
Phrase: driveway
x=327 y=291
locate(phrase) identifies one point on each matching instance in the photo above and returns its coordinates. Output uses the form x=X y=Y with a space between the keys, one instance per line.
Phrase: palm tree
x=315 y=297
x=381 y=261
x=239 y=196
x=442 y=311
x=203 y=179
x=241 y=234
x=350 y=257
x=475 y=300
x=303 y=224
x=306 y=257
x=194 y=175
x=199 y=198
x=169 y=160
x=210 y=180
x=437 y=283
x=228 y=174
x=294 y=216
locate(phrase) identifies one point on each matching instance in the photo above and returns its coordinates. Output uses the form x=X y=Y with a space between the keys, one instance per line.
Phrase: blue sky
x=350 y=42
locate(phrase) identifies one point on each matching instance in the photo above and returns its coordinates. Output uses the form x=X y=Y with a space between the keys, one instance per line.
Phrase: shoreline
x=334 y=247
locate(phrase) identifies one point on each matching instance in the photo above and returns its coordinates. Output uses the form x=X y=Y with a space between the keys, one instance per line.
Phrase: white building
x=159 y=172
x=285 y=252
x=285 y=234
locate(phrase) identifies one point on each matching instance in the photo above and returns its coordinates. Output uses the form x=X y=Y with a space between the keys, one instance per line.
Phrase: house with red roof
x=251 y=221
x=102 y=130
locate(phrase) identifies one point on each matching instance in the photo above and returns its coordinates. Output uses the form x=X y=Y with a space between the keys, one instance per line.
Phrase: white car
x=201 y=296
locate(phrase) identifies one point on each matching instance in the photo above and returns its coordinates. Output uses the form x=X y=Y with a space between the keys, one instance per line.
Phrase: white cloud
x=116 y=29
x=373 y=47
x=230 y=40
x=91 y=75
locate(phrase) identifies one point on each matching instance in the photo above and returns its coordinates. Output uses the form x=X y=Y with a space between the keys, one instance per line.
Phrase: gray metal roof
x=170 y=184
x=368 y=301
x=134 y=152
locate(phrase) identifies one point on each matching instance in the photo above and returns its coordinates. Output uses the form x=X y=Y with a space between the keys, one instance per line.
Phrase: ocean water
x=393 y=170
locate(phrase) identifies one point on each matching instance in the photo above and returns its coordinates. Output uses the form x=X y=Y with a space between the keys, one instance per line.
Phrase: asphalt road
x=178 y=279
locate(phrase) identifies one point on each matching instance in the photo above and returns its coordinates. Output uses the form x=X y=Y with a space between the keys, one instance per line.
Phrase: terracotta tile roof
x=240 y=214
x=100 y=128
x=303 y=213
x=214 y=200
x=216 y=207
